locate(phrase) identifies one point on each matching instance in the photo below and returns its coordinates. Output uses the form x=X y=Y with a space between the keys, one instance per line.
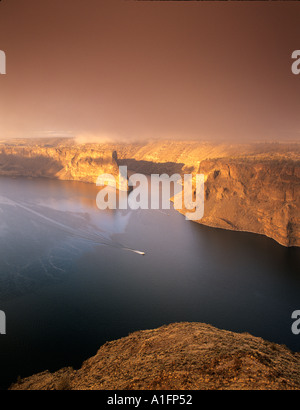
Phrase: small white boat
x=135 y=251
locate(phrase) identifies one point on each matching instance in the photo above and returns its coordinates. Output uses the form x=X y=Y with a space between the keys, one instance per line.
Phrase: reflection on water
x=67 y=284
x=42 y=236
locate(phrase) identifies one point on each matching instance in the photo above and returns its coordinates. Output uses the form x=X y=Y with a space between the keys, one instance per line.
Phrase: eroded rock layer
x=255 y=195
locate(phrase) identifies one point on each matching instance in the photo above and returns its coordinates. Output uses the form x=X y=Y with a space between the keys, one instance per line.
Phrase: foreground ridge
x=184 y=356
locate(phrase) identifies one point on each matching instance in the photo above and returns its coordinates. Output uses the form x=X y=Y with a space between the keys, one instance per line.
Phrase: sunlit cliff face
x=232 y=174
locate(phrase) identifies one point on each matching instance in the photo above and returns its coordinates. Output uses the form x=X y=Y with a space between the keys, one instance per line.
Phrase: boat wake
x=94 y=237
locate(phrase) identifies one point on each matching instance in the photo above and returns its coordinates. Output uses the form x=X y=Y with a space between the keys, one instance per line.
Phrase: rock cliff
x=255 y=195
x=249 y=187
x=187 y=356
x=70 y=162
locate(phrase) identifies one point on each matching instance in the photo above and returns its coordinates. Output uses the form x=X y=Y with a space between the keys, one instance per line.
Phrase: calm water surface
x=67 y=285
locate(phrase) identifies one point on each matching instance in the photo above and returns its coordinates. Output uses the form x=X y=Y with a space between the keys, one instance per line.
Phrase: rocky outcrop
x=187 y=356
x=72 y=162
x=254 y=195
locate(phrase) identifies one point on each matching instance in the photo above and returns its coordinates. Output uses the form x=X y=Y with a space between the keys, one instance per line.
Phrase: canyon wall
x=254 y=195
x=65 y=162
x=249 y=187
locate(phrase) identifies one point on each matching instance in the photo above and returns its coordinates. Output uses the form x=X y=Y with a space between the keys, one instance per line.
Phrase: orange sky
x=135 y=70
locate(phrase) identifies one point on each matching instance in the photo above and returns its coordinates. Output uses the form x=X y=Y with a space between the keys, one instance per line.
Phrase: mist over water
x=67 y=283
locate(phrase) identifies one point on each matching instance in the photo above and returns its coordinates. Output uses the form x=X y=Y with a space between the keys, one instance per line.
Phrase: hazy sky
x=130 y=70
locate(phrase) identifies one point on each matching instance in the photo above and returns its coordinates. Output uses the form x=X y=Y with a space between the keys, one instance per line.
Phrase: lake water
x=67 y=285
